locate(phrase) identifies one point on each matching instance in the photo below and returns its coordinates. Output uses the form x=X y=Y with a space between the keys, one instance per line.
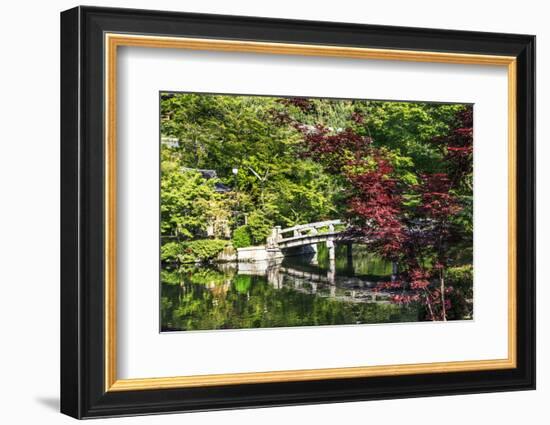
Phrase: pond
x=301 y=290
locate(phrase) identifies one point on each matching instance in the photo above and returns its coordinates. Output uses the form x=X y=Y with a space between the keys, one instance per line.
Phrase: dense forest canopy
x=276 y=184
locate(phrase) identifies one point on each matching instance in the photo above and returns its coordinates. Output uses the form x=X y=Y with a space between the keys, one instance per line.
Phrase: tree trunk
x=442 y=289
x=429 y=304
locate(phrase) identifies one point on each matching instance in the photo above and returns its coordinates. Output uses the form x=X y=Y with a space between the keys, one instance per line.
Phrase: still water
x=302 y=290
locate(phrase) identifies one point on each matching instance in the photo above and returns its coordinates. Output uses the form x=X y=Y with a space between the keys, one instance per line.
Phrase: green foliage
x=408 y=128
x=224 y=301
x=224 y=132
x=259 y=226
x=188 y=202
x=170 y=251
x=461 y=278
x=197 y=251
x=460 y=275
x=466 y=216
x=255 y=232
x=221 y=132
x=165 y=307
x=201 y=250
x=170 y=277
x=241 y=237
x=404 y=167
x=242 y=283
x=207 y=276
x=273 y=180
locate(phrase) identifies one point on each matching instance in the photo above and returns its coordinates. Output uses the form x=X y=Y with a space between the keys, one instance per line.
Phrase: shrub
x=259 y=227
x=241 y=237
x=461 y=275
x=461 y=278
x=170 y=251
x=201 y=250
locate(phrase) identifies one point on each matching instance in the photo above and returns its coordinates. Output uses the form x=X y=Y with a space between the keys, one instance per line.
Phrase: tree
x=189 y=203
x=412 y=219
x=226 y=132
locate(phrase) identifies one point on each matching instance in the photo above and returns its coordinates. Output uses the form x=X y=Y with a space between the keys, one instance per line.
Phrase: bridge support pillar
x=274 y=278
x=331 y=274
x=274 y=254
x=315 y=251
x=313 y=287
x=331 y=249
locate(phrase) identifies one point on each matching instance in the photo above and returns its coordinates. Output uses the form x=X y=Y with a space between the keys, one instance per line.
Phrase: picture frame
x=90 y=40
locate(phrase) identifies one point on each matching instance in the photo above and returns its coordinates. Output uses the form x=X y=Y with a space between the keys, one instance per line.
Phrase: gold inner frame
x=113 y=41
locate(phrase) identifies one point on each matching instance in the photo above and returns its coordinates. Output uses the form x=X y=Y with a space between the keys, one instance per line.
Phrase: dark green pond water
x=301 y=290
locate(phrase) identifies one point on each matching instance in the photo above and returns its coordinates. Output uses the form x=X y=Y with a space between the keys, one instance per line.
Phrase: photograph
x=300 y=211
x=288 y=210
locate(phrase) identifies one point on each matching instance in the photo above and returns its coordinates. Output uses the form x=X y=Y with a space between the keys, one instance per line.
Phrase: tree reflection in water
x=300 y=291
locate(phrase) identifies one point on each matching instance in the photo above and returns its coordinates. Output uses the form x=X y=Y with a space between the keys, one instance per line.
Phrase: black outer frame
x=82 y=212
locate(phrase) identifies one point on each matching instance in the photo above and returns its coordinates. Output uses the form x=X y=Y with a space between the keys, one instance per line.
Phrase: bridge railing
x=279 y=234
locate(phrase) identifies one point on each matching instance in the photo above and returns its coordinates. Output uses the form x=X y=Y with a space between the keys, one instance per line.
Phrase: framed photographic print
x=261 y=212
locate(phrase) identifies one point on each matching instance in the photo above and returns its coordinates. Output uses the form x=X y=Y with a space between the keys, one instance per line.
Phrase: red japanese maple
x=417 y=237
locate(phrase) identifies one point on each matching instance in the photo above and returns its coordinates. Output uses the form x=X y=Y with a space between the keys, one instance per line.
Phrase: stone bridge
x=307 y=235
x=304 y=236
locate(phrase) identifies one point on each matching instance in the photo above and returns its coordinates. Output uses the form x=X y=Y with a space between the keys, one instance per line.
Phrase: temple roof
x=210 y=174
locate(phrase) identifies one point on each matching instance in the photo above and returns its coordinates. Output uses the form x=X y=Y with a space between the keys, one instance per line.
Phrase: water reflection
x=304 y=290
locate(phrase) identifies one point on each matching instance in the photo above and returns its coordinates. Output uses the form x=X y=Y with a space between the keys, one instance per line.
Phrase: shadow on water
x=302 y=290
